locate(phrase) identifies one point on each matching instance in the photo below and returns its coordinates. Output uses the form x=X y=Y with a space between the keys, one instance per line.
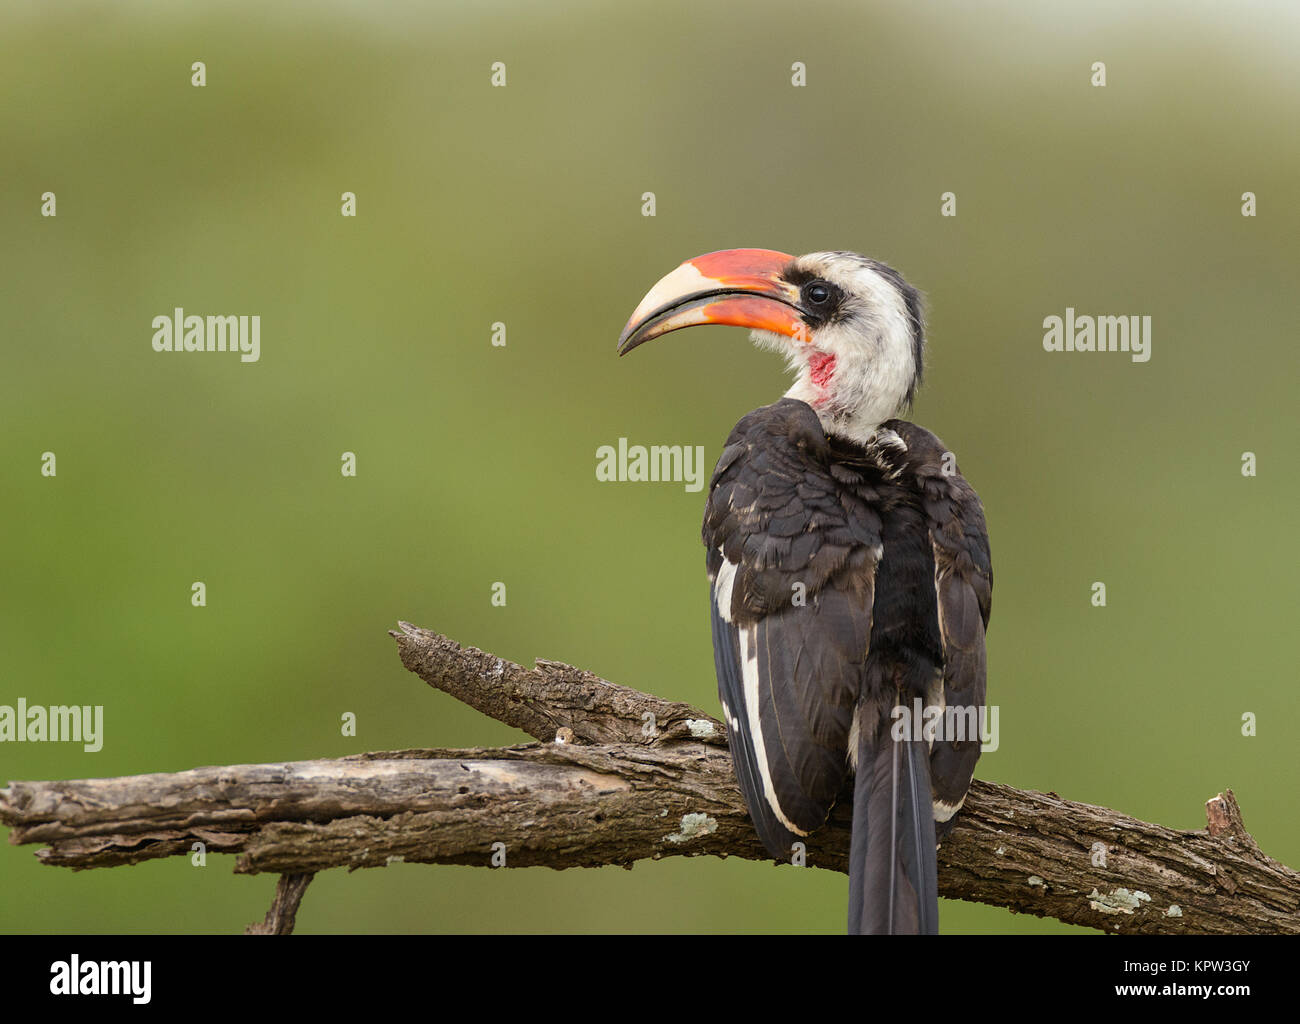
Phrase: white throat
x=851 y=399
x=855 y=387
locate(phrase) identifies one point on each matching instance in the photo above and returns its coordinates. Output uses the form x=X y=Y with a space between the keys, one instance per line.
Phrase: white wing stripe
x=722 y=587
x=749 y=673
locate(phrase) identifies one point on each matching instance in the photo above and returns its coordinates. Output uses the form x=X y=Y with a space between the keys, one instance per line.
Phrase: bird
x=849 y=571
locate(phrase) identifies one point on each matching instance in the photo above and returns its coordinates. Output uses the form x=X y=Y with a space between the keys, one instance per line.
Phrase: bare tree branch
x=622 y=776
x=283 y=914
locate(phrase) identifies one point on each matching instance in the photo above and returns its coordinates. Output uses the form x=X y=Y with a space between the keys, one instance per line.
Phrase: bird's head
x=849 y=327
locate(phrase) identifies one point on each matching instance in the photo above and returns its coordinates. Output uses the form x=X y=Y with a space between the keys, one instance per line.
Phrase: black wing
x=964 y=587
x=792 y=552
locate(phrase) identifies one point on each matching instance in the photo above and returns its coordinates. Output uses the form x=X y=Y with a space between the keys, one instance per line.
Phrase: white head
x=849 y=327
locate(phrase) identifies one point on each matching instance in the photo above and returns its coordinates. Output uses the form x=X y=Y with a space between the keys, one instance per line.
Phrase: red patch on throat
x=821 y=366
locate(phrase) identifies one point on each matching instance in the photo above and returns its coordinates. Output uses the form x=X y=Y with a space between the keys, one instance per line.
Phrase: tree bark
x=619 y=776
x=283 y=914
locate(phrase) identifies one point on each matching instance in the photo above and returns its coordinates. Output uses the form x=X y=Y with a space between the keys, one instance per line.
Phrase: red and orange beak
x=738 y=287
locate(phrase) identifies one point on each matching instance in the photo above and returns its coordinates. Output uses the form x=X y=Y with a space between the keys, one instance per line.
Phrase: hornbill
x=849 y=568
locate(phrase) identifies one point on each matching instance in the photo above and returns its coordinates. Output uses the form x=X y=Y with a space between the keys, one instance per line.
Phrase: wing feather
x=791 y=563
x=964 y=591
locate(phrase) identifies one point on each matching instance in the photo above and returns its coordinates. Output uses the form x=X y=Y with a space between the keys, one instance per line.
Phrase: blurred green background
x=476 y=464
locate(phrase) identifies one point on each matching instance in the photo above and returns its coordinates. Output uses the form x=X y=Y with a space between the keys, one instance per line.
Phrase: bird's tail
x=893 y=887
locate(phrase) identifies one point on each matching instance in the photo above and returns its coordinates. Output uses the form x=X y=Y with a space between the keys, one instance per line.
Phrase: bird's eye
x=818 y=293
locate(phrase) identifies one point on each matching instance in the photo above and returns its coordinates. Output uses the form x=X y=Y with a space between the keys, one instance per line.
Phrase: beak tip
x=627 y=339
